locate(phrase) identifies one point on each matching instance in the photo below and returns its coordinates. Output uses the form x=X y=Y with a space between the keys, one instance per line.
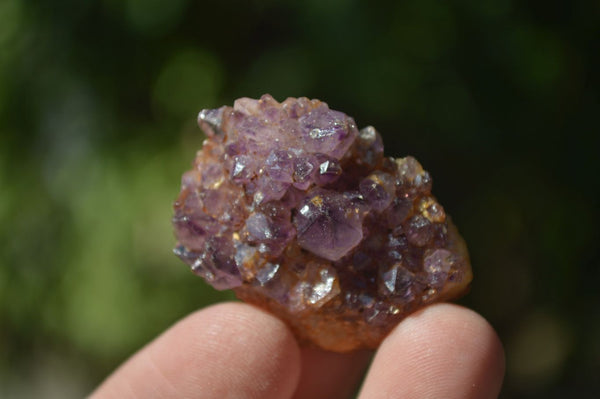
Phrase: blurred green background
x=498 y=99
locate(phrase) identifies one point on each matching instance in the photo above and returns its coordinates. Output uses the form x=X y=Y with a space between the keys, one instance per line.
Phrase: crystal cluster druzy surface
x=298 y=211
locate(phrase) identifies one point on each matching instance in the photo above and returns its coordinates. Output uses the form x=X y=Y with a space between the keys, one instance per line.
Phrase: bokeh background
x=499 y=100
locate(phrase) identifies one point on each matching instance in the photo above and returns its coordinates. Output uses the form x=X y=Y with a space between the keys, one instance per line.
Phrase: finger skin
x=443 y=351
x=327 y=375
x=229 y=350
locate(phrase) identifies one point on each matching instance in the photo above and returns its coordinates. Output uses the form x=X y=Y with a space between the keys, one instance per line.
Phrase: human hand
x=234 y=350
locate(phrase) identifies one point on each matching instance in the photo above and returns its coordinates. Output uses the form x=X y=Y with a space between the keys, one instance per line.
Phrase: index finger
x=230 y=350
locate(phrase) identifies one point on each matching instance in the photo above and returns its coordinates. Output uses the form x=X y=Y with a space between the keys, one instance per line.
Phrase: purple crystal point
x=279 y=165
x=327 y=131
x=369 y=146
x=298 y=211
x=215 y=263
x=378 y=190
x=328 y=169
x=243 y=169
x=304 y=169
x=437 y=264
x=210 y=120
x=328 y=224
x=400 y=284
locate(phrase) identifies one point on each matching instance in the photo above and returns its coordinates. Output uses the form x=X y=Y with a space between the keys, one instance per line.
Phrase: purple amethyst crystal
x=298 y=211
x=328 y=224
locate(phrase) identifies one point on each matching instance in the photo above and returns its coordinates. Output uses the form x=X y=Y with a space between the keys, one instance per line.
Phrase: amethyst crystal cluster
x=298 y=211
